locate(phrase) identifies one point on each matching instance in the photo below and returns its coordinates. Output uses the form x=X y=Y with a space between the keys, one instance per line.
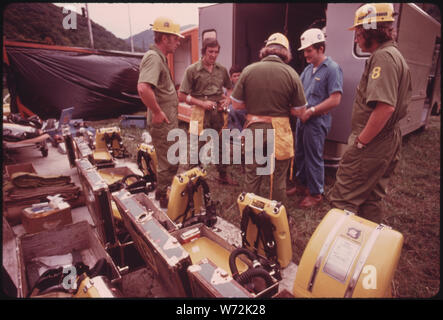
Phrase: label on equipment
x=340 y=258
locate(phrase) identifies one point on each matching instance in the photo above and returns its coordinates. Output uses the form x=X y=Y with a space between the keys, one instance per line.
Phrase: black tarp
x=98 y=84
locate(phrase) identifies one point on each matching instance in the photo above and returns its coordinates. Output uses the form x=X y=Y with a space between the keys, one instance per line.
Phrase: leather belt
x=252 y=118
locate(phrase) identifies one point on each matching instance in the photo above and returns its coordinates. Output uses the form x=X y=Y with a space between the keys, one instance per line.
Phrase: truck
x=242 y=28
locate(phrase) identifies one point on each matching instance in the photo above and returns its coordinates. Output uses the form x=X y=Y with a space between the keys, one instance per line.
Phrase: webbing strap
x=265 y=232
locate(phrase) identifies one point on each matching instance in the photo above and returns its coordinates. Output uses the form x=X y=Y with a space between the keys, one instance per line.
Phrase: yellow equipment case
x=97 y=287
x=265 y=228
x=348 y=256
x=189 y=199
x=102 y=155
x=147 y=161
x=160 y=250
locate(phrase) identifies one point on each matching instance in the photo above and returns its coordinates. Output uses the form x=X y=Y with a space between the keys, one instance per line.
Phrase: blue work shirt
x=327 y=79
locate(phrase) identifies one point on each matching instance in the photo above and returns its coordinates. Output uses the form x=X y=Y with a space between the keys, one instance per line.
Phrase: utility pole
x=89 y=26
x=130 y=30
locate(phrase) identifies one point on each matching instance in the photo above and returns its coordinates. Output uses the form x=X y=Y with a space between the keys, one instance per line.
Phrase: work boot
x=310 y=201
x=300 y=189
x=226 y=179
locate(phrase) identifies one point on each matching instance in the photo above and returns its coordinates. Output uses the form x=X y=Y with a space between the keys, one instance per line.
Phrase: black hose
x=234 y=255
x=247 y=276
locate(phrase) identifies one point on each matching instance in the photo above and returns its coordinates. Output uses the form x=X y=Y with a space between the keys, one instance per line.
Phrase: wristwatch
x=312 y=110
x=359 y=144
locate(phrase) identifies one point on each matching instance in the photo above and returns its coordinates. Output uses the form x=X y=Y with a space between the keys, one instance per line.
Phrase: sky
x=115 y=16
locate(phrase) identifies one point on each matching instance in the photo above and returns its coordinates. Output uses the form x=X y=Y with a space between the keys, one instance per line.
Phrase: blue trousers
x=310 y=141
x=236 y=119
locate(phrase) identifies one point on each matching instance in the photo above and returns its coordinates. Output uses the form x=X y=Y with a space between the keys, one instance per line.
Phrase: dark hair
x=235 y=69
x=383 y=33
x=319 y=45
x=158 y=36
x=209 y=42
x=277 y=50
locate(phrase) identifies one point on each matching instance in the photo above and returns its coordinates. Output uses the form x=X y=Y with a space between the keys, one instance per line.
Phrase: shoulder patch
x=376 y=72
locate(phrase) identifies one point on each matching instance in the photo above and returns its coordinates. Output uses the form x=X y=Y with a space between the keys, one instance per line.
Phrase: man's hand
x=147 y=96
x=297 y=112
x=305 y=115
x=208 y=104
x=159 y=117
x=224 y=103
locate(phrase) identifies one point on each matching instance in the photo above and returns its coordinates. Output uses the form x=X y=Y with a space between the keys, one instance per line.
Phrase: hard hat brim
x=175 y=34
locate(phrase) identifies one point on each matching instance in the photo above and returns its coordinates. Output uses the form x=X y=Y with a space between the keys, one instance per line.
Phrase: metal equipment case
x=160 y=250
x=209 y=281
x=98 y=200
x=18 y=252
x=210 y=274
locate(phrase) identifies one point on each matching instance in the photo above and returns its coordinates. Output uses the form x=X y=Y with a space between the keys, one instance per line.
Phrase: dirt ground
x=411 y=207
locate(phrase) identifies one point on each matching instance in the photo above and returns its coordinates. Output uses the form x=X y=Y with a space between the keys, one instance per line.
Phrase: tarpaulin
x=98 y=84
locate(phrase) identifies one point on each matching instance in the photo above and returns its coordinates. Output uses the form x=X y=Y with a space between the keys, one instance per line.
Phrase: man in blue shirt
x=323 y=85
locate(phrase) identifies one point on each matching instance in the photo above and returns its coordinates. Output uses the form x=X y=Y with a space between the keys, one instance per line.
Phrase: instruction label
x=340 y=258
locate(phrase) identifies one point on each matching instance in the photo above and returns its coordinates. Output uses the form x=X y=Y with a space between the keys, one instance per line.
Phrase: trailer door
x=340 y=47
x=418 y=35
x=217 y=21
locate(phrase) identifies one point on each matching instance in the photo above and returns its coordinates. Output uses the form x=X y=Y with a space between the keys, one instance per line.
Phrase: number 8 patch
x=376 y=73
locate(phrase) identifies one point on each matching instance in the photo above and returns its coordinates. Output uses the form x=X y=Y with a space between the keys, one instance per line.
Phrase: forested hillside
x=43 y=23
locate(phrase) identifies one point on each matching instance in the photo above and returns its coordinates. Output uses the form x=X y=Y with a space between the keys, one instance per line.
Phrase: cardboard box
x=48 y=219
x=21 y=167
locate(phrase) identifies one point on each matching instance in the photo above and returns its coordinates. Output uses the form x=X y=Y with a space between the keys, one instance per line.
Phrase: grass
x=411 y=207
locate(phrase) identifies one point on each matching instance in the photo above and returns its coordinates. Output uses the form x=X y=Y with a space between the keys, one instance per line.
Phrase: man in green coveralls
x=157 y=91
x=269 y=90
x=202 y=87
x=382 y=98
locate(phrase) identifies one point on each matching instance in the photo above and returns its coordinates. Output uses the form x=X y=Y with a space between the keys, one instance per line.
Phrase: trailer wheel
x=436 y=110
x=44 y=152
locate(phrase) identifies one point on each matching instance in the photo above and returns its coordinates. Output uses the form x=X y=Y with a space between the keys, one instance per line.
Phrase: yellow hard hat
x=278 y=38
x=166 y=25
x=371 y=13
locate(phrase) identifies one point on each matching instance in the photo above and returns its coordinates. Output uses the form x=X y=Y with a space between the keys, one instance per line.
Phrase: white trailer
x=241 y=29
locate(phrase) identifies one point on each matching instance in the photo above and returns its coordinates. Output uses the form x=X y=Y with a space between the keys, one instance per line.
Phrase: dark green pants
x=165 y=171
x=254 y=182
x=363 y=175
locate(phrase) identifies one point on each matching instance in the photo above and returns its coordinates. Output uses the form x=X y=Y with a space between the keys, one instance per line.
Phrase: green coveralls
x=205 y=85
x=154 y=70
x=268 y=88
x=363 y=174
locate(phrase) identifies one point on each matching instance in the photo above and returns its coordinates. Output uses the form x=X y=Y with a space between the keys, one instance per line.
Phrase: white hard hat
x=311 y=36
